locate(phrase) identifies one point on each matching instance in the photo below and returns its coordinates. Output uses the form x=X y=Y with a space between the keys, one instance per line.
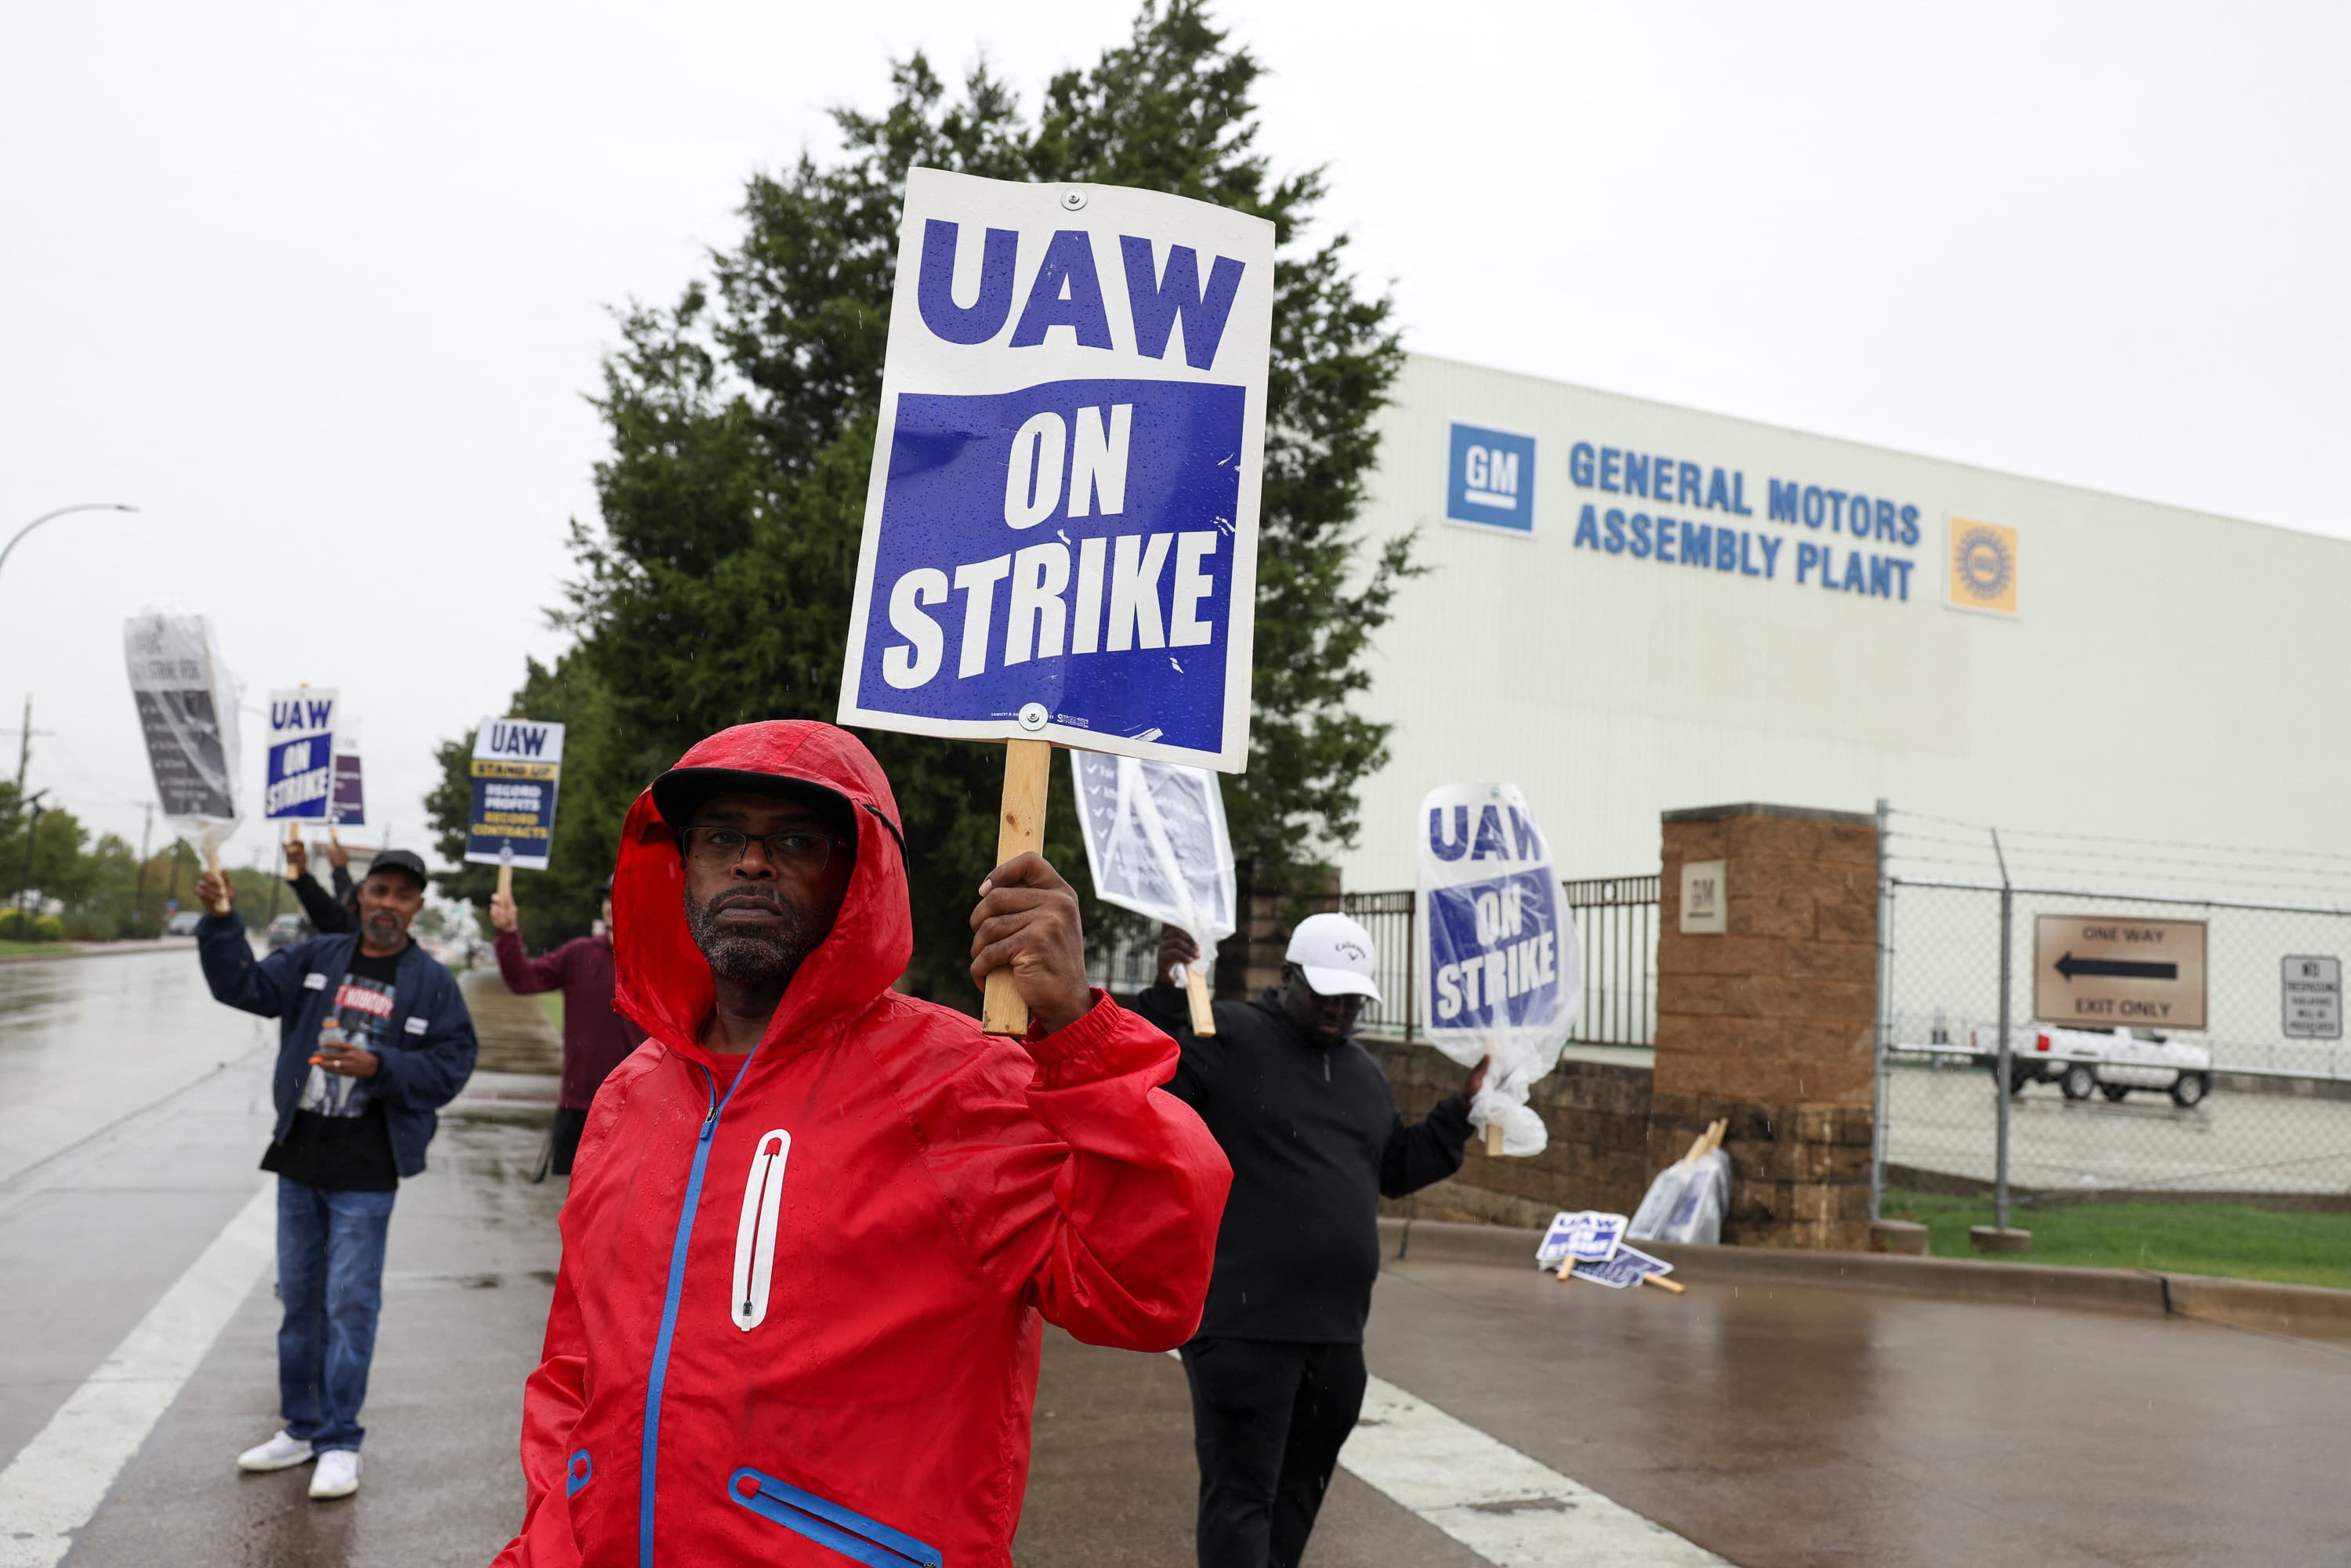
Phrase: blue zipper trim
x=660 y=1375
x=827 y=1523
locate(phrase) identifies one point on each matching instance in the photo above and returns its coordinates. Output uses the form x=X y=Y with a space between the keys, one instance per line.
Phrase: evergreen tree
x=717 y=589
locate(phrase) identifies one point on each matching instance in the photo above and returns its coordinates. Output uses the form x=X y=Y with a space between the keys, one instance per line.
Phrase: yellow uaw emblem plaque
x=1980 y=569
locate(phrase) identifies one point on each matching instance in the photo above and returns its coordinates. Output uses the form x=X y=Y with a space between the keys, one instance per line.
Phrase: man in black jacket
x=327 y=916
x=1309 y=1123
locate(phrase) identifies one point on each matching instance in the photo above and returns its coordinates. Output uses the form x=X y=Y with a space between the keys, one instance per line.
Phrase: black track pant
x=569 y=1126
x=1268 y=1420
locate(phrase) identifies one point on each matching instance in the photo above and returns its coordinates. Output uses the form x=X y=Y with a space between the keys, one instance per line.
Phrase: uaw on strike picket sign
x=518 y=765
x=1499 y=970
x=1061 y=529
x=301 y=779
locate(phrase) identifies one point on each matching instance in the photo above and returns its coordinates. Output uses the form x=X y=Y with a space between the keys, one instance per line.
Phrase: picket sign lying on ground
x=1589 y=1237
x=1500 y=971
x=517 y=765
x=1060 y=528
x=1157 y=845
x=186 y=701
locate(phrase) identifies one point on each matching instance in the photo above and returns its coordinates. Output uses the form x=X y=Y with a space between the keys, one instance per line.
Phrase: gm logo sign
x=1490 y=479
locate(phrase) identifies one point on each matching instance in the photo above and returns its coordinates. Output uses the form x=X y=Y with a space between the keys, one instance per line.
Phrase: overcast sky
x=321 y=288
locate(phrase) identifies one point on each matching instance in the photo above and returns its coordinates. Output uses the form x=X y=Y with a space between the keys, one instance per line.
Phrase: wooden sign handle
x=1195 y=987
x=1493 y=1140
x=1028 y=766
x=212 y=868
x=506 y=880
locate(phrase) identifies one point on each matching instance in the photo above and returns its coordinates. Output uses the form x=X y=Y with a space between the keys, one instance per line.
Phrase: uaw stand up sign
x=1061 y=527
x=517 y=767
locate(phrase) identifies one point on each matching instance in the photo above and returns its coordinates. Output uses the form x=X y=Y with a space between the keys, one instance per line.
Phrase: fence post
x=1411 y=965
x=1885 y=1021
x=2000 y=1058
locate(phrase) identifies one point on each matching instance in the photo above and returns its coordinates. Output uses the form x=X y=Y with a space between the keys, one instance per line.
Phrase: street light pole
x=61 y=511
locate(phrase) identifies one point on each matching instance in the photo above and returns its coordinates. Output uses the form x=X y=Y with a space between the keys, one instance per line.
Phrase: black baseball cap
x=400 y=860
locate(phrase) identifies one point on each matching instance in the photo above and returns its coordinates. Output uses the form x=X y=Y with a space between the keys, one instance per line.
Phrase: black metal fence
x=1617 y=929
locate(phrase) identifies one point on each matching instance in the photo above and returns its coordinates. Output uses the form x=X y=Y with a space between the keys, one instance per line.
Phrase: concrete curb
x=102 y=950
x=2302 y=1311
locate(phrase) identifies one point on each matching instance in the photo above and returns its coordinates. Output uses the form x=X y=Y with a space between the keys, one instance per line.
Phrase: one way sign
x=2112 y=971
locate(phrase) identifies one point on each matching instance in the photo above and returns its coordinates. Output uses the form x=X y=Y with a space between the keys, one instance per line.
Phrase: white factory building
x=1632 y=607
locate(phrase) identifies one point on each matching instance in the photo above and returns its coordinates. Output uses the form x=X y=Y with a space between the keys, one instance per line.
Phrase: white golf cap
x=1336 y=955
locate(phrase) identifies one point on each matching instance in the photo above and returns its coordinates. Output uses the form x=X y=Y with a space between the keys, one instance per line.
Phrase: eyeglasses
x=794 y=849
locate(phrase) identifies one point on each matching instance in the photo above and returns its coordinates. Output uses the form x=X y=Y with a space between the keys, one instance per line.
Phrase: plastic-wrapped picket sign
x=186 y=701
x=1500 y=973
x=1157 y=845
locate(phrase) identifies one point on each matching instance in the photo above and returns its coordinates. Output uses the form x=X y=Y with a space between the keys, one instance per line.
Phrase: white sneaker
x=280 y=1453
x=338 y=1474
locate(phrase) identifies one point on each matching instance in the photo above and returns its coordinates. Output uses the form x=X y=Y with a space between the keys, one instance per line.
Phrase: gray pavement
x=1943 y=1120
x=1775 y=1426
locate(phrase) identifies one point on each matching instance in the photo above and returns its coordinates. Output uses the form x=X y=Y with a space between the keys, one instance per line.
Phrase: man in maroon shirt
x=596 y=1039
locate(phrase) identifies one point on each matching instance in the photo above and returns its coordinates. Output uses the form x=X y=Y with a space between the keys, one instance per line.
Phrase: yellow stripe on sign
x=488 y=767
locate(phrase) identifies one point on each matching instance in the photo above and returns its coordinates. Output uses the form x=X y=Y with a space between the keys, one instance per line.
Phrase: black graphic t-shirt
x=338 y=1140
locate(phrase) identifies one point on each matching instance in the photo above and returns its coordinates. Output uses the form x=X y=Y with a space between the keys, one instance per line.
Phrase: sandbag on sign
x=1689 y=1198
x=187 y=711
x=1156 y=843
x=1500 y=973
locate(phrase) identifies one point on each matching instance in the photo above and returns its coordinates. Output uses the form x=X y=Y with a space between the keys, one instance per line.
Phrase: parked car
x=2084 y=1061
x=182 y=923
x=286 y=930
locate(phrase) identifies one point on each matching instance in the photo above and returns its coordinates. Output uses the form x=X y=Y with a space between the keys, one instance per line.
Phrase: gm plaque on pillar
x=1497 y=960
x=518 y=766
x=301 y=777
x=1706 y=908
x=1061 y=527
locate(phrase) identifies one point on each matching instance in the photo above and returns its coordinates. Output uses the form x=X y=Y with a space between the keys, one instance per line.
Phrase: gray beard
x=752 y=957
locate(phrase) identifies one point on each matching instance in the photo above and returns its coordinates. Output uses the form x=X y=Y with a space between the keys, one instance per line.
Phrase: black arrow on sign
x=2115 y=969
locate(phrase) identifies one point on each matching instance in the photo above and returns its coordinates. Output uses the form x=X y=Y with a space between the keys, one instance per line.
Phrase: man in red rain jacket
x=816 y=1225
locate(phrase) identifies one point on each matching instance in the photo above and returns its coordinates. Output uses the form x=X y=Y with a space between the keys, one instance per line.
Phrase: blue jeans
x=330 y=1277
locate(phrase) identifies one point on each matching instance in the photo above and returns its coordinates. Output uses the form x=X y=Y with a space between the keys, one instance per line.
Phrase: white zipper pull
x=755 y=1237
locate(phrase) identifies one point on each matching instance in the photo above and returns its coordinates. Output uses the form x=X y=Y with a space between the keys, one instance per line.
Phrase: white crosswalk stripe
x=55 y=1484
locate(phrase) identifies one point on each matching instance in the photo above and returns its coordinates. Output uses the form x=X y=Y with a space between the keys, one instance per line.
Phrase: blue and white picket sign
x=300 y=782
x=1589 y=1237
x=186 y=701
x=1499 y=972
x=1622 y=1270
x=350 y=798
x=518 y=764
x=1061 y=527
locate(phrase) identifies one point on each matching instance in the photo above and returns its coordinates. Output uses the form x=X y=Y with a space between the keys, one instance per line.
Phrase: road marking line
x=1510 y=1510
x=55 y=1484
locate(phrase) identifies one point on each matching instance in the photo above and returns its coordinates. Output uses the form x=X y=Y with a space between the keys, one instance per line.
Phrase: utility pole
x=146 y=837
x=24 y=877
x=25 y=745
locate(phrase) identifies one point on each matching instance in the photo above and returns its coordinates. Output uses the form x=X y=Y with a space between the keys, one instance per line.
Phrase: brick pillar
x=1769 y=1020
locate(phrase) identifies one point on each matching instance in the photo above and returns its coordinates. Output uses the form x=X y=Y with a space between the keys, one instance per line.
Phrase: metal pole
x=146 y=837
x=2001 y=1094
x=24 y=877
x=1885 y=1021
x=18 y=537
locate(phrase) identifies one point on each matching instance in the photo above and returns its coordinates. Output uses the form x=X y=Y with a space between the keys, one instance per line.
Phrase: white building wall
x=2170 y=674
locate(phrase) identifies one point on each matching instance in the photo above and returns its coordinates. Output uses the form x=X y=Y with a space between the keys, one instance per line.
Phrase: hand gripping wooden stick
x=505 y=879
x=1195 y=987
x=211 y=867
x=1027 y=764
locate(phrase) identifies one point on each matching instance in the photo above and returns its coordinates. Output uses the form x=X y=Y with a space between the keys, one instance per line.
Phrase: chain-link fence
x=2171 y=1045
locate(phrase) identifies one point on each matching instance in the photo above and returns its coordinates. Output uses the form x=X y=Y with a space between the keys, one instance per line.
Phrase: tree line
x=716 y=587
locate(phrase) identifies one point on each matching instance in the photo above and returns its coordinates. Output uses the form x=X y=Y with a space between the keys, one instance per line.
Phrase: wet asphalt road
x=1777 y=1428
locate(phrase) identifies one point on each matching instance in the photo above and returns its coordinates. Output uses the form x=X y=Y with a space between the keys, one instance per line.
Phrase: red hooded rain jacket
x=799 y=1312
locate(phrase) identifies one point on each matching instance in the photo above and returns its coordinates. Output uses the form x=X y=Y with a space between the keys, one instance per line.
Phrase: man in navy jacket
x=374 y=1039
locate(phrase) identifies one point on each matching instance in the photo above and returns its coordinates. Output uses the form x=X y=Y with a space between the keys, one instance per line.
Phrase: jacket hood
x=661 y=979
